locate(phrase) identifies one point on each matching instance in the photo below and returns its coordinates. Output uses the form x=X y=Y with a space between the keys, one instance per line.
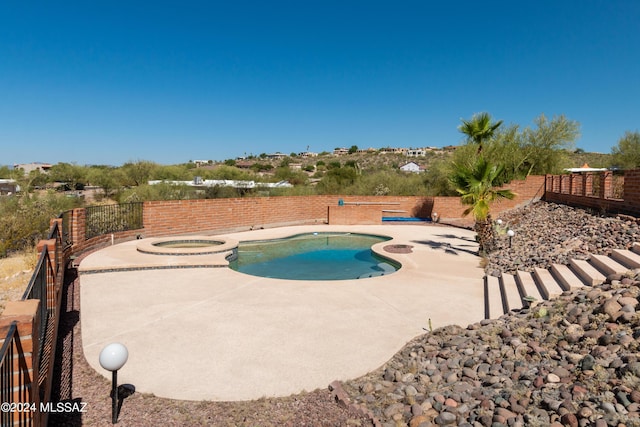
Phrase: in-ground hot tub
x=187 y=245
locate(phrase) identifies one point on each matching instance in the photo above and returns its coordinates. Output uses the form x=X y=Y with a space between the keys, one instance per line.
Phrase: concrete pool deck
x=216 y=334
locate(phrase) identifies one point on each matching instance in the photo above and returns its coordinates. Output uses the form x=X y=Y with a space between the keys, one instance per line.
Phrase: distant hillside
x=377 y=160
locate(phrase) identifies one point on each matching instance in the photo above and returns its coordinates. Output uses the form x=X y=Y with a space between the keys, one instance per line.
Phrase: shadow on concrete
x=451 y=248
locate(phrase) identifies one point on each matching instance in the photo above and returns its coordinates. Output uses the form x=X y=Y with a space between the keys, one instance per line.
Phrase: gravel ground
x=15 y=272
x=548 y=233
x=512 y=384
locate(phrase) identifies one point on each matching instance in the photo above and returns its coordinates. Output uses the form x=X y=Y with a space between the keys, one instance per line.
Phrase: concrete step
x=510 y=294
x=587 y=272
x=508 y=291
x=492 y=298
x=527 y=285
x=607 y=265
x=627 y=258
x=547 y=284
x=566 y=277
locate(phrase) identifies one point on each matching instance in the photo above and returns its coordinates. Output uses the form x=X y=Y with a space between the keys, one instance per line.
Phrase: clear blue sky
x=106 y=82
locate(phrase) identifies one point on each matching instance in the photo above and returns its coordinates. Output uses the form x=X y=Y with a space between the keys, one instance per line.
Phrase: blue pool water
x=313 y=256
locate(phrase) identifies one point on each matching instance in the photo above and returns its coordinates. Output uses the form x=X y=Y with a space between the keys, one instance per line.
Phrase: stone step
x=547 y=284
x=492 y=298
x=607 y=265
x=508 y=291
x=527 y=285
x=587 y=272
x=627 y=258
x=566 y=277
x=510 y=294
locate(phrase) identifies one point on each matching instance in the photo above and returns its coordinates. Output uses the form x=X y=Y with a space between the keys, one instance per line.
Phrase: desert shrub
x=25 y=219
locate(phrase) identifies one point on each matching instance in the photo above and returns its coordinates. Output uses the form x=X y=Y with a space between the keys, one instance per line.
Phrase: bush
x=25 y=218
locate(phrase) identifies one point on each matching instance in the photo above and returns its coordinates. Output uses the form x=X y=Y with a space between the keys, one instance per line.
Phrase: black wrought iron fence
x=106 y=219
x=41 y=287
x=7 y=378
x=67 y=234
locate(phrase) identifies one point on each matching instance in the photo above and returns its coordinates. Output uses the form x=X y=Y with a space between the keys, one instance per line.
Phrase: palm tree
x=478 y=186
x=479 y=128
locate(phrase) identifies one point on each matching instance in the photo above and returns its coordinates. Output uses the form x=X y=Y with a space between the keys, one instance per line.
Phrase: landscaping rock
x=574 y=362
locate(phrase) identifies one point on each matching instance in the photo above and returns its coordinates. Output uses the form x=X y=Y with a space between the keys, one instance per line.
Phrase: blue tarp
x=405 y=219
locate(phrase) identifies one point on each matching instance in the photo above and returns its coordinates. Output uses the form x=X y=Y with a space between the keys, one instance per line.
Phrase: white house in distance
x=412 y=167
x=416 y=152
x=29 y=167
x=8 y=186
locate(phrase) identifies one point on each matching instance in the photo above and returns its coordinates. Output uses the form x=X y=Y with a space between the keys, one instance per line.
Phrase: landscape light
x=112 y=358
x=510 y=233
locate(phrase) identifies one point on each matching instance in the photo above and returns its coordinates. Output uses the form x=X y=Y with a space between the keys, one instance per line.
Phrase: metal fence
x=106 y=219
x=7 y=379
x=41 y=287
x=45 y=286
x=67 y=235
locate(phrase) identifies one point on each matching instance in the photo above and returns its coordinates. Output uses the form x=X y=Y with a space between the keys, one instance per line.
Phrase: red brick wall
x=216 y=215
x=581 y=193
x=526 y=190
x=355 y=214
x=236 y=214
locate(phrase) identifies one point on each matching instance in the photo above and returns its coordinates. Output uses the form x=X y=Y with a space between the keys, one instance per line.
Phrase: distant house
x=8 y=186
x=367 y=150
x=27 y=168
x=200 y=163
x=308 y=154
x=416 y=152
x=393 y=150
x=340 y=151
x=412 y=167
x=276 y=156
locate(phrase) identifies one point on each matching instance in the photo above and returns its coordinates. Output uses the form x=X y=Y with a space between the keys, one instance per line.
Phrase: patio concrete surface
x=216 y=334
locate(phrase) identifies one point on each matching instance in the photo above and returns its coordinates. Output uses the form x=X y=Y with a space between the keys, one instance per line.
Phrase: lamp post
x=112 y=358
x=510 y=233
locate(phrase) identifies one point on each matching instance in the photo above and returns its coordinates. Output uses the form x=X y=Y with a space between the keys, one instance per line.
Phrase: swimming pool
x=314 y=256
